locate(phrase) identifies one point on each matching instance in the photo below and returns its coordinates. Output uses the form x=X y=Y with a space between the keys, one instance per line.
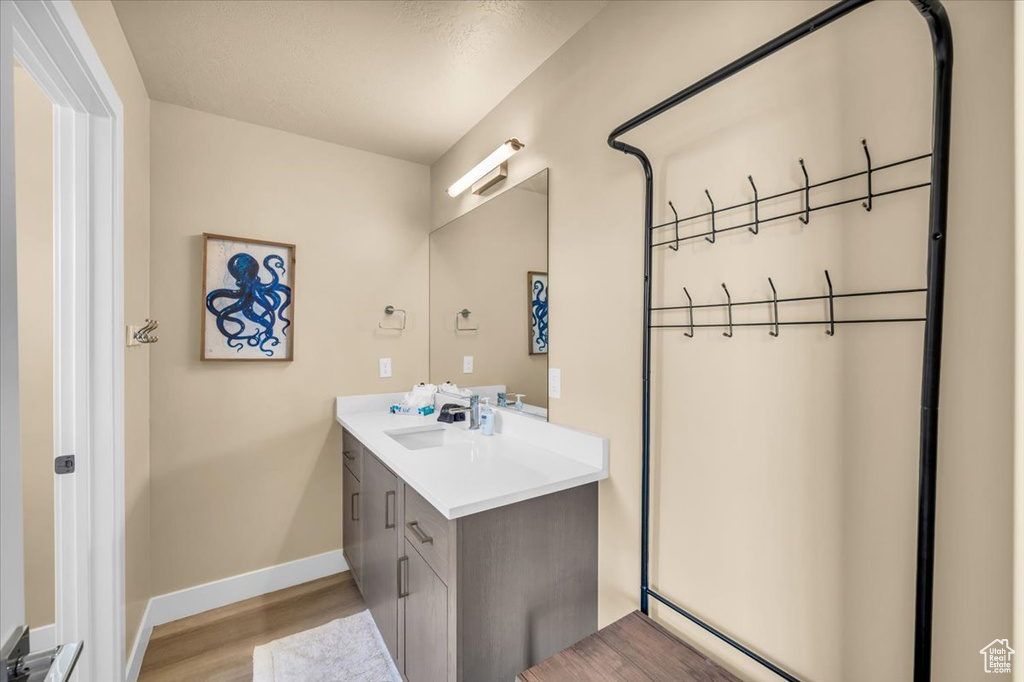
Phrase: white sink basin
x=423 y=437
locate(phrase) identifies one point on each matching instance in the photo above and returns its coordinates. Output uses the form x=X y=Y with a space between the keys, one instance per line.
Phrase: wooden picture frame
x=537 y=312
x=255 y=278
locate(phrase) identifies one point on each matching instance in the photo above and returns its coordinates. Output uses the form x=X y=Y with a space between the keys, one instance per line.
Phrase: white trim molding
x=50 y=42
x=192 y=600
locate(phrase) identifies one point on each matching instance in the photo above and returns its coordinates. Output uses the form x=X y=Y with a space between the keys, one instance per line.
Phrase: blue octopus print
x=249 y=314
x=539 y=312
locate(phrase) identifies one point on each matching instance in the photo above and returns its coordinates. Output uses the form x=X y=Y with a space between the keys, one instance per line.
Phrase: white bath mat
x=345 y=650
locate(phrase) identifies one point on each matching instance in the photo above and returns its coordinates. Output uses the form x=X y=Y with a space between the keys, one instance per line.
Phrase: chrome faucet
x=474 y=411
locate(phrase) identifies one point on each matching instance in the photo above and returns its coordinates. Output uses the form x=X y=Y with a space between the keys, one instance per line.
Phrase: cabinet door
x=378 y=508
x=426 y=620
x=351 y=524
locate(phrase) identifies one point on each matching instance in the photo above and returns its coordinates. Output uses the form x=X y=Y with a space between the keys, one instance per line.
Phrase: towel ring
x=391 y=310
x=464 y=314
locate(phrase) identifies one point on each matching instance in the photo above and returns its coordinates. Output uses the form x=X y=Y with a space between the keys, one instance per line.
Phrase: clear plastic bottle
x=487 y=418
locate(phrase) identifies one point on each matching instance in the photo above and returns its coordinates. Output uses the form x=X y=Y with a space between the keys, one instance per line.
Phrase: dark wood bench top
x=632 y=649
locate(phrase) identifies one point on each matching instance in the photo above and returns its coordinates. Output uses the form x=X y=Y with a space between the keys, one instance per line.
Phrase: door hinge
x=65 y=464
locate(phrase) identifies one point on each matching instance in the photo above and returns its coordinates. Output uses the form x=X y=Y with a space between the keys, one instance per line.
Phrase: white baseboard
x=190 y=601
x=43 y=637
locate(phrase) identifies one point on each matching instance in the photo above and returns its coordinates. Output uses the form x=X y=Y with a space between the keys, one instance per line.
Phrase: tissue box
x=417 y=411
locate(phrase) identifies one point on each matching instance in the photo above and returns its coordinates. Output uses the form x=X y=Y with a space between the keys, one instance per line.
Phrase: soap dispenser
x=519 y=401
x=487 y=418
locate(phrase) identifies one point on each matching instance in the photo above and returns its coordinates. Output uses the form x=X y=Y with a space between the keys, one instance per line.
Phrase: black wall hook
x=712 y=237
x=675 y=247
x=728 y=298
x=689 y=304
x=867 y=154
x=806 y=217
x=831 y=331
x=757 y=217
x=775 y=308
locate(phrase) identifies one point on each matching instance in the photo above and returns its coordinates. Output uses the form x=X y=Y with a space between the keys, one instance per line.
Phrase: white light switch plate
x=467 y=364
x=385 y=368
x=554 y=383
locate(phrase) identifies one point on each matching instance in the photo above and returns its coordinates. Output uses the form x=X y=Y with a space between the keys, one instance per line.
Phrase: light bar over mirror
x=493 y=160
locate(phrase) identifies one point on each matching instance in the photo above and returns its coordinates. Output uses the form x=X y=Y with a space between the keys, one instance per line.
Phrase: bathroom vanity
x=477 y=556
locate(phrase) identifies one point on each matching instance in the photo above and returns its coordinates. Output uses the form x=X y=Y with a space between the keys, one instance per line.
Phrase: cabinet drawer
x=427 y=531
x=352 y=454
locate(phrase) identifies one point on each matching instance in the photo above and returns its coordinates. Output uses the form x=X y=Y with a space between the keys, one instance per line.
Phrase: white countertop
x=476 y=472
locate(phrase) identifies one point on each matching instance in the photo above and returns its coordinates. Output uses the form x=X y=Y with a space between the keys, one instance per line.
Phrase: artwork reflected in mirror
x=479 y=264
x=537 y=289
x=248 y=299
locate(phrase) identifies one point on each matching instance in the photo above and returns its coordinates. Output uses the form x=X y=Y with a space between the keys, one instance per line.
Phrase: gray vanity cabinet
x=425 y=599
x=379 y=498
x=350 y=524
x=479 y=598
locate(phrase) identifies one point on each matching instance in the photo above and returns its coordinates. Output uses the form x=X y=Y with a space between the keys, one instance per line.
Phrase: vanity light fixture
x=495 y=161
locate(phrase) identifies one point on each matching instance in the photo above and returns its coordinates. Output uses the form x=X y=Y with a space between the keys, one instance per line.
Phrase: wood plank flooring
x=632 y=649
x=216 y=646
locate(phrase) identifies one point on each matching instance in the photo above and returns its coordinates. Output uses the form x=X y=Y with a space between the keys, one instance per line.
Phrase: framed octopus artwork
x=537 y=283
x=248 y=299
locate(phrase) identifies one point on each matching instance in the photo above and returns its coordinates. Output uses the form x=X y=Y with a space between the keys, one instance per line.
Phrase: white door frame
x=49 y=40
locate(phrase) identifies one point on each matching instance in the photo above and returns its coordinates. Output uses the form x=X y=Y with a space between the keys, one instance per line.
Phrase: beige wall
x=480 y=262
x=245 y=465
x=33 y=142
x=105 y=32
x=792 y=462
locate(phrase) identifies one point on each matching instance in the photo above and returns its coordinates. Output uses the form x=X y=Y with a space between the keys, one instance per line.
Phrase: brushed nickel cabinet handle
x=389 y=505
x=347 y=454
x=354 y=508
x=403 y=585
x=414 y=526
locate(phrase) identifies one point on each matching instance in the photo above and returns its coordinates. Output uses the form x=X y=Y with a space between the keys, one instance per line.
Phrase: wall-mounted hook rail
x=689 y=303
x=757 y=216
x=775 y=323
x=802 y=212
x=806 y=217
x=831 y=331
x=728 y=298
x=464 y=314
x=391 y=310
x=675 y=247
x=867 y=155
x=713 y=230
x=775 y=308
x=142 y=334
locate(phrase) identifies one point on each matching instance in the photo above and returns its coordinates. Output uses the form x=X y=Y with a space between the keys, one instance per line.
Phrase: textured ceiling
x=402 y=78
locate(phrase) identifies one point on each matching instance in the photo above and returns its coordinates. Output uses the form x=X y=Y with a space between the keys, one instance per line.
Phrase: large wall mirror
x=489 y=297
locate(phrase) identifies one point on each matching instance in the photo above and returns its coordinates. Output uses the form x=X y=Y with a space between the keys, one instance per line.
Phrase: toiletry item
x=487 y=418
x=519 y=401
x=502 y=399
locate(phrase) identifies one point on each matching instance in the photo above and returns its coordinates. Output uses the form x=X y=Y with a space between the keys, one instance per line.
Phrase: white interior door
x=50 y=42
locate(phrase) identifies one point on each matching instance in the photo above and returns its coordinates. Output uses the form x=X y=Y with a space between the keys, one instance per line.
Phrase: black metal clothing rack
x=942 y=48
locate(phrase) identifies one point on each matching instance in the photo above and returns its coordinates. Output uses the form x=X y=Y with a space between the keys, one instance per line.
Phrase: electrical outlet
x=385 y=368
x=554 y=383
x=467 y=364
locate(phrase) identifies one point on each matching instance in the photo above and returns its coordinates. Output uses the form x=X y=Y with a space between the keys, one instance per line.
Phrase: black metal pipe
x=724 y=637
x=942 y=104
